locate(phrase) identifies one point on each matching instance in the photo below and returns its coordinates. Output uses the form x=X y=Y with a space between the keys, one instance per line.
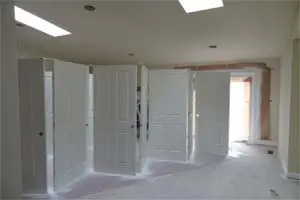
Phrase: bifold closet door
x=115 y=133
x=70 y=104
x=32 y=118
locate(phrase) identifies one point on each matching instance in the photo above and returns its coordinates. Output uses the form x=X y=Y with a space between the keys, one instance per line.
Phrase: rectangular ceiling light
x=197 y=5
x=38 y=23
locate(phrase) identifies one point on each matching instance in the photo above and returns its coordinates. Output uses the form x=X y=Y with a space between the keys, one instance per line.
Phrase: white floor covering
x=248 y=173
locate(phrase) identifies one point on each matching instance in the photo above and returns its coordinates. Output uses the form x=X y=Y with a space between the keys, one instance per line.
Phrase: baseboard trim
x=264 y=142
x=286 y=174
x=35 y=196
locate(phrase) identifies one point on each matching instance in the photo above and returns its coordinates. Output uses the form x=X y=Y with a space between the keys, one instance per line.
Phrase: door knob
x=132 y=126
x=41 y=133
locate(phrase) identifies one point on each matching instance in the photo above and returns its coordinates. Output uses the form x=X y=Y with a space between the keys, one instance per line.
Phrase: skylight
x=38 y=23
x=197 y=5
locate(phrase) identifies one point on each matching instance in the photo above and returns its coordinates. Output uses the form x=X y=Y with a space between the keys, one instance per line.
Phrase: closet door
x=168 y=104
x=144 y=114
x=212 y=112
x=115 y=132
x=90 y=124
x=32 y=118
x=70 y=103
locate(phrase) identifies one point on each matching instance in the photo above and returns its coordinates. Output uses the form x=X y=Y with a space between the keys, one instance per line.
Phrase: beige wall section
x=288 y=147
x=284 y=106
x=275 y=96
x=11 y=176
x=24 y=51
x=293 y=160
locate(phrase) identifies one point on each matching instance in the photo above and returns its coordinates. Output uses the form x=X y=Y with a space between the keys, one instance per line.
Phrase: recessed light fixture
x=89 y=8
x=38 y=23
x=131 y=54
x=197 y=5
x=212 y=46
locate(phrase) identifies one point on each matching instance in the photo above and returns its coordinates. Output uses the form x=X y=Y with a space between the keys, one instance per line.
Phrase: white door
x=212 y=112
x=70 y=90
x=90 y=124
x=48 y=79
x=168 y=117
x=32 y=118
x=115 y=133
x=144 y=114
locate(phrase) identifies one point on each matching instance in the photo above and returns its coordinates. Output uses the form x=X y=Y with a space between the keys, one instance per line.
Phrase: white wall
x=11 y=176
x=284 y=107
x=293 y=164
x=275 y=96
x=24 y=51
x=288 y=147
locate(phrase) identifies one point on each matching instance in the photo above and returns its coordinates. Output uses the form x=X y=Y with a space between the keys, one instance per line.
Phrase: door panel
x=115 y=131
x=90 y=123
x=32 y=118
x=48 y=78
x=144 y=114
x=212 y=112
x=70 y=103
x=168 y=107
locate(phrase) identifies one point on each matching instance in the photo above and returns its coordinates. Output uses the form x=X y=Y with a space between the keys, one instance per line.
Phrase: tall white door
x=32 y=118
x=70 y=90
x=212 y=112
x=168 y=107
x=115 y=133
x=90 y=124
x=144 y=114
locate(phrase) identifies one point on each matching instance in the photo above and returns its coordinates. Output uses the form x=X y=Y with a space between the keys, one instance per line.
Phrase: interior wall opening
x=240 y=109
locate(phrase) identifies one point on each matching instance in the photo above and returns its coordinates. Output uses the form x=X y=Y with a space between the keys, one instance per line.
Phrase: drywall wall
x=284 y=106
x=293 y=160
x=274 y=64
x=288 y=147
x=11 y=176
x=25 y=51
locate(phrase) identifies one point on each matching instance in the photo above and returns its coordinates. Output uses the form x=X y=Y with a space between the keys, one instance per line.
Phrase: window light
x=197 y=5
x=38 y=23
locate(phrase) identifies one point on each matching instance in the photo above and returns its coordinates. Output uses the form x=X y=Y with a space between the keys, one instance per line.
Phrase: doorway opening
x=240 y=109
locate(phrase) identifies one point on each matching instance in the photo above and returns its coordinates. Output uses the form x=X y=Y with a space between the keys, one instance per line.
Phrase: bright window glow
x=38 y=23
x=197 y=5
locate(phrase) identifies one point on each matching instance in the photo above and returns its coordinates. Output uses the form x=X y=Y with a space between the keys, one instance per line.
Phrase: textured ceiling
x=159 y=33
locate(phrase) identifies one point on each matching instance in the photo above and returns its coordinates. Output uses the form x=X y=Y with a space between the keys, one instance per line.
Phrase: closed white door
x=32 y=118
x=168 y=107
x=115 y=133
x=90 y=124
x=144 y=115
x=212 y=112
x=70 y=103
x=48 y=78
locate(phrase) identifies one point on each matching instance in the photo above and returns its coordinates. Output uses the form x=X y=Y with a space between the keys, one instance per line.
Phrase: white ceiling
x=159 y=33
